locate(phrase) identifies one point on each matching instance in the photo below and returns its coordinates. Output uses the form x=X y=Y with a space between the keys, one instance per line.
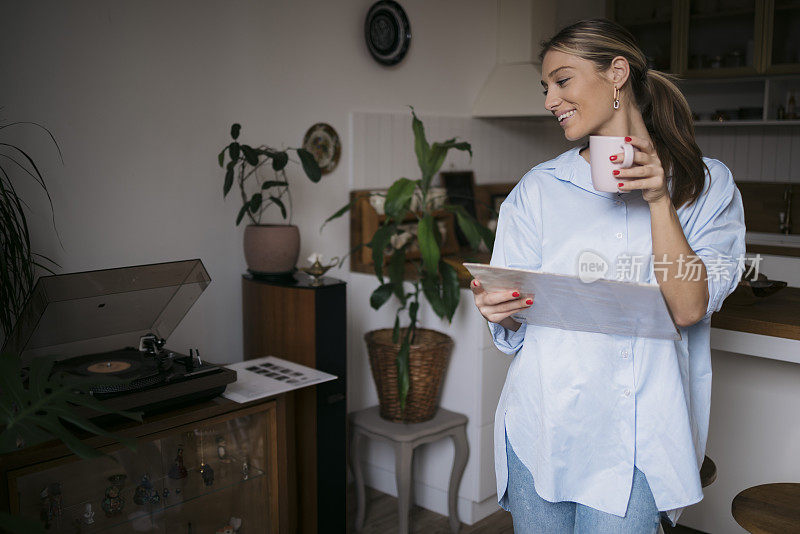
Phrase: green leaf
x=469 y=226
x=379 y=241
x=279 y=160
x=398 y=198
x=233 y=150
x=412 y=312
x=228 y=181
x=451 y=292
x=250 y=155
x=278 y=201
x=431 y=289
x=242 y=213
x=428 y=246
x=380 y=295
x=338 y=213
x=437 y=155
x=235 y=129
x=310 y=165
x=273 y=183
x=221 y=156
x=396 y=330
x=255 y=203
x=397 y=267
x=420 y=143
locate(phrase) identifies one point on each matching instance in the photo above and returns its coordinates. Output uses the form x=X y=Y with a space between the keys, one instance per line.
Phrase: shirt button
x=619 y=235
x=624 y=353
x=627 y=393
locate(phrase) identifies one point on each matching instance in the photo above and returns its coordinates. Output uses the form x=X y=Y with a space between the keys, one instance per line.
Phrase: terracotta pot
x=271 y=248
x=428 y=358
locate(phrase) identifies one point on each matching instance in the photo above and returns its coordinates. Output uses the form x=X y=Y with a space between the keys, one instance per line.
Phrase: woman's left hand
x=646 y=174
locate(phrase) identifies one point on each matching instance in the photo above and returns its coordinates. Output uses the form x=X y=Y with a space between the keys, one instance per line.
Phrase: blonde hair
x=665 y=111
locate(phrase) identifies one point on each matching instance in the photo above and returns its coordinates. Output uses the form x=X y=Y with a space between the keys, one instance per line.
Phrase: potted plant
x=35 y=404
x=269 y=249
x=408 y=363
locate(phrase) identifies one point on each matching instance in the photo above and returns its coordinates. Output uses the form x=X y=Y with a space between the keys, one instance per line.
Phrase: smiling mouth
x=566 y=116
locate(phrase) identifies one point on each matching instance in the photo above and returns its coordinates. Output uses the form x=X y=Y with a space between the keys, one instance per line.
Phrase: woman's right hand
x=498 y=306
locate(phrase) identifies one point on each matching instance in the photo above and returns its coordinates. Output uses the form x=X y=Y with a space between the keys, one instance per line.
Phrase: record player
x=112 y=324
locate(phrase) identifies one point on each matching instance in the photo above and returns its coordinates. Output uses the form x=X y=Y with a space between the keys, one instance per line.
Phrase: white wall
x=141 y=95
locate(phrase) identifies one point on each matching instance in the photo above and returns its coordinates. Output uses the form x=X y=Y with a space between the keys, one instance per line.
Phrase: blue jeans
x=531 y=513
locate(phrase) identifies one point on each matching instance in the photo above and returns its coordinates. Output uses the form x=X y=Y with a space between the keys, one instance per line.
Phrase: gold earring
x=616 y=97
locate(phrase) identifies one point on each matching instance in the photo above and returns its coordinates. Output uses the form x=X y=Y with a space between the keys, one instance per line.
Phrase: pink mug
x=601 y=148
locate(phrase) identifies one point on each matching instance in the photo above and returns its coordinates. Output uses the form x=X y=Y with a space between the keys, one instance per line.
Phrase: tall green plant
x=18 y=262
x=244 y=161
x=436 y=280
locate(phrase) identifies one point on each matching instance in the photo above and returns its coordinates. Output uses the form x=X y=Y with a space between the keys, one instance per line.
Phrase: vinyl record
x=118 y=364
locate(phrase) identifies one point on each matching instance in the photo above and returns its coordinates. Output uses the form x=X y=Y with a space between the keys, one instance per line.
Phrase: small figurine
x=236 y=523
x=88 y=514
x=50 y=498
x=227 y=529
x=166 y=493
x=145 y=492
x=207 y=473
x=222 y=452
x=178 y=471
x=114 y=502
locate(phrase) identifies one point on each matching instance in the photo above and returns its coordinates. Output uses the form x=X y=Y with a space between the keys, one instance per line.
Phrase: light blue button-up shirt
x=582 y=408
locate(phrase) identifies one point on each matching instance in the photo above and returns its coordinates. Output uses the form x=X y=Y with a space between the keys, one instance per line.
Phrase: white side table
x=405 y=438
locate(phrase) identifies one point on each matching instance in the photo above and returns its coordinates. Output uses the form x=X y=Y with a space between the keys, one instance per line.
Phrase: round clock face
x=387 y=32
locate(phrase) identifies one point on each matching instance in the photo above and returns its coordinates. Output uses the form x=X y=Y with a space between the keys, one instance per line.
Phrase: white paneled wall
x=754 y=153
x=503 y=149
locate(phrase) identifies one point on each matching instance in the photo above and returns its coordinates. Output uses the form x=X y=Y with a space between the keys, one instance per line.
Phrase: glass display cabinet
x=218 y=474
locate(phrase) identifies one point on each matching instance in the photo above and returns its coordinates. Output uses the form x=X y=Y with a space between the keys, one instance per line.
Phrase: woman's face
x=573 y=86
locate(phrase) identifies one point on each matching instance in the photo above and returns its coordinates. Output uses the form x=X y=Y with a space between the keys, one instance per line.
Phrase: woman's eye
x=559 y=82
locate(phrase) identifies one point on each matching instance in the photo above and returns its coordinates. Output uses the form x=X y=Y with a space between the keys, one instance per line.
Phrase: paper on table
x=564 y=301
x=262 y=377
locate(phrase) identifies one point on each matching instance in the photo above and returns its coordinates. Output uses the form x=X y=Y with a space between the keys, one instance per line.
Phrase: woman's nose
x=551 y=102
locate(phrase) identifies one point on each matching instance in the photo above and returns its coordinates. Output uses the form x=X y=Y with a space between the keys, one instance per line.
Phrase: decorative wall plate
x=323 y=143
x=387 y=32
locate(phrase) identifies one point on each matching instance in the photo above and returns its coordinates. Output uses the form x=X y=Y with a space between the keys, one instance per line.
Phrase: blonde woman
x=595 y=432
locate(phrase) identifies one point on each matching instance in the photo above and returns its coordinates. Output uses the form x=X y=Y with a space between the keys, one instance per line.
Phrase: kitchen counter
x=777 y=315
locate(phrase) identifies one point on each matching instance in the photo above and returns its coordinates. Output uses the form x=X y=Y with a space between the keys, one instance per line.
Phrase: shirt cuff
x=508 y=341
x=723 y=278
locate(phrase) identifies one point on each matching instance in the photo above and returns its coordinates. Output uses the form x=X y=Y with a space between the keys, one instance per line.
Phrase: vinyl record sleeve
x=567 y=302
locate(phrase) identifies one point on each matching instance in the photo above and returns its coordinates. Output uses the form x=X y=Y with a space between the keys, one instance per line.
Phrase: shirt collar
x=572 y=167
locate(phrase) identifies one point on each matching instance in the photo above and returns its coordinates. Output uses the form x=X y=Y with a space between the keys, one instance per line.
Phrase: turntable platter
x=112 y=366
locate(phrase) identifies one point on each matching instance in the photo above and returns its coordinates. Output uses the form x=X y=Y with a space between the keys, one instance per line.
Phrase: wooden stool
x=708 y=474
x=768 y=508
x=405 y=438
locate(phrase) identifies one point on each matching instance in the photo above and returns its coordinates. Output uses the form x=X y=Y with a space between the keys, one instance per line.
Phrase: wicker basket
x=427 y=361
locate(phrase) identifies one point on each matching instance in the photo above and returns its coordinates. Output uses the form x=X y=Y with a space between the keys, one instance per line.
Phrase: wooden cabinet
x=782 y=31
x=240 y=448
x=715 y=38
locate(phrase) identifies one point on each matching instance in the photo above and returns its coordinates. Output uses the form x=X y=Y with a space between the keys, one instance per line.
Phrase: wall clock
x=387 y=32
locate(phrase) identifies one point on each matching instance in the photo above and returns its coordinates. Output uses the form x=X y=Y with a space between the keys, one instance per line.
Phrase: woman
x=599 y=432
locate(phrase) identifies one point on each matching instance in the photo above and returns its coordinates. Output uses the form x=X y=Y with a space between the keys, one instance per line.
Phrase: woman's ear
x=619 y=71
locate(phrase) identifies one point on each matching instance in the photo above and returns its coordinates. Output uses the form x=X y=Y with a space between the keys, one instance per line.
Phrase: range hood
x=514 y=87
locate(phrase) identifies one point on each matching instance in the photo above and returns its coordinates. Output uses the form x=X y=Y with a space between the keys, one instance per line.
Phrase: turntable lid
x=84 y=313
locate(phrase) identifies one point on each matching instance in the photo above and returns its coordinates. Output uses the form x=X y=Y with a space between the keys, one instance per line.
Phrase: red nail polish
x=515 y=294
x=627 y=139
x=612 y=158
x=615 y=173
x=529 y=302
x=620 y=184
